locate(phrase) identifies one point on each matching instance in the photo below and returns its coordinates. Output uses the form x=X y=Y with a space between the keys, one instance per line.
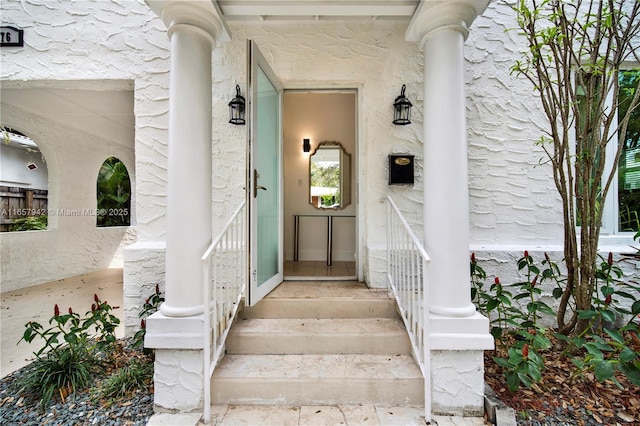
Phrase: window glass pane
x=629 y=164
x=114 y=194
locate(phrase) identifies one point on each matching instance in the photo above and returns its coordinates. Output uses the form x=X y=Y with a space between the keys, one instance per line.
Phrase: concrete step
x=317 y=379
x=338 y=307
x=379 y=336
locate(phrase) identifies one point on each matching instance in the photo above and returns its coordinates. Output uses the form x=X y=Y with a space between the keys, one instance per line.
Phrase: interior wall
x=318 y=116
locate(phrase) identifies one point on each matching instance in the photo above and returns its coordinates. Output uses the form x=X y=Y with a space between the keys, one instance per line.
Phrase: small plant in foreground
x=605 y=347
x=138 y=374
x=68 y=357
x=150 y=306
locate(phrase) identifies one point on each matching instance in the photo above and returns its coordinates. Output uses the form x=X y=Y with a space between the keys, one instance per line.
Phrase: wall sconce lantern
x=402 y=109
x=236 y=108
x=306 y=145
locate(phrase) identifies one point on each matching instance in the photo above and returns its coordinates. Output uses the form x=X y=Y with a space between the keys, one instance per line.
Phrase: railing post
x=426 y=329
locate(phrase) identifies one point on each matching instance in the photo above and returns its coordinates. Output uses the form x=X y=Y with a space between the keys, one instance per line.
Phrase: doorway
x=320 y=197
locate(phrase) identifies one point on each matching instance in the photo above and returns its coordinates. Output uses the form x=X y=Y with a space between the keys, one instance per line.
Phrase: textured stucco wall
x=72 y=244
x=513 y=202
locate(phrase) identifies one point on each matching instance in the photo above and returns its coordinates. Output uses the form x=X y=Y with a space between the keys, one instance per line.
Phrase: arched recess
x=113 y=193
x=24 y=183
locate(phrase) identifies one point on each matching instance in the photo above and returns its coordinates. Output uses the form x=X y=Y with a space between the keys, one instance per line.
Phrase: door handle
x=256 y=175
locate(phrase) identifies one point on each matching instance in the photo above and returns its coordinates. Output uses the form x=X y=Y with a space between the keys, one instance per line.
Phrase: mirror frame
x=345 y=199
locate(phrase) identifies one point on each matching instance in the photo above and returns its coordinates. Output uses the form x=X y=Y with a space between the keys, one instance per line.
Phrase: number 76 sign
x=11 y=36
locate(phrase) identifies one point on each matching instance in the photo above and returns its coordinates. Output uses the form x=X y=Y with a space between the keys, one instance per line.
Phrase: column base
x=144 y=265
x=457 y=363
x=178 y=376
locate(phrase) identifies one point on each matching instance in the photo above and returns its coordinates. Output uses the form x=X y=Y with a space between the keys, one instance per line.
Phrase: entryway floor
x=319 y=270
x=316 y=415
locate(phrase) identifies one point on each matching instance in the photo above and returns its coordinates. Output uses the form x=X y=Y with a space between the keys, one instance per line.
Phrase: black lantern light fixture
x=236 y=108
x=306 y=145
x=402 y=109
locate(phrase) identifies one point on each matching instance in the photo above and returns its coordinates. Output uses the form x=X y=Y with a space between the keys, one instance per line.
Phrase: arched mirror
x=330 y=176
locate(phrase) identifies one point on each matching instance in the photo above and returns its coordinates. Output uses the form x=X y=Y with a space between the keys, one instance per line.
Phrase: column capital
x=432 y=15
x=203 y=14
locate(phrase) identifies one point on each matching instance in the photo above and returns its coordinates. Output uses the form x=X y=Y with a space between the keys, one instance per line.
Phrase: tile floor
x=319 y=270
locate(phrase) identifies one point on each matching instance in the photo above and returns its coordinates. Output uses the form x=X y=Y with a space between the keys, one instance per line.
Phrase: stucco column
x=177 y=331
x=441 y=28
x=189 y=171
x=459 y=334
x=446 y=205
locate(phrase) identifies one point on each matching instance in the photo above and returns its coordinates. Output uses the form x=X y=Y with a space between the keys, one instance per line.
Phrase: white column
x=446 y=204
x=459 y=334
x=189 y=171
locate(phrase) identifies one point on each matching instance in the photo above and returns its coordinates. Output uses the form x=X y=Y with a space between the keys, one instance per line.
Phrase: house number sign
x=11 y=36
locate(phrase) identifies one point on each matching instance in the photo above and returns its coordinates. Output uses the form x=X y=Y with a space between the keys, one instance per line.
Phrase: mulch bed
x=579 y=400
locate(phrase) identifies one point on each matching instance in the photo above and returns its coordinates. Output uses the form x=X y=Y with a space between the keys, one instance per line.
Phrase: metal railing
x=224 y=267
x=407 y=263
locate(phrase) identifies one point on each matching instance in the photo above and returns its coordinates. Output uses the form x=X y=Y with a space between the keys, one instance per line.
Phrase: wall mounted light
x=306 y=145
x=402 y=109
x=236 y=108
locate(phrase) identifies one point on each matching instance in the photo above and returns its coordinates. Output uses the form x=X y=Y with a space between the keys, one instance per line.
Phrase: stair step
x=321 y=308
x=317 y=379
x=319 y=336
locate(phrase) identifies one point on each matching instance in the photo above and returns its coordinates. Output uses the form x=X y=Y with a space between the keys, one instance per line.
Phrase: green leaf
x=615 y=335
x=631 y=371
x=603 y=370
x=627 y=355
x=587 y=314
x=608 y=316
x=513 y=380
x=502 y=362
x=635 y=308
x=557 y=292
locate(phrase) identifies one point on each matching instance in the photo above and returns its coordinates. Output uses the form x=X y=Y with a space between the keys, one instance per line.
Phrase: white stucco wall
x=72 y=244
x=513 y=203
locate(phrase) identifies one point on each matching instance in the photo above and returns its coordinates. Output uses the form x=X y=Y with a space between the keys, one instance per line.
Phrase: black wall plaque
x=400 y=169
x=11 y=36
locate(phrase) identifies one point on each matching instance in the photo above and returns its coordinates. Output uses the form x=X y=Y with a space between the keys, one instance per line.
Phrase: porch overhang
x=205 y=14
x=433 y=14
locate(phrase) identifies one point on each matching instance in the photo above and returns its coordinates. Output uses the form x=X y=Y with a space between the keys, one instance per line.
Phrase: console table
x=296 y=233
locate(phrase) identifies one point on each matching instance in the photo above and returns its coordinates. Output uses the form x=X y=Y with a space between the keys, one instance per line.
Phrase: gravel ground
x=78 y=409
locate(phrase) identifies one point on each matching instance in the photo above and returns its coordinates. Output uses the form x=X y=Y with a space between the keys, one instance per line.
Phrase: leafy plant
x=67 y=358
x=150 y=306
x=575 y=51
x=605 y=347
x=138 y=374
x=31 y=223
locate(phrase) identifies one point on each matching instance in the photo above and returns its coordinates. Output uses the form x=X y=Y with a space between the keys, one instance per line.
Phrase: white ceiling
x=316 y=9
x=108 y=114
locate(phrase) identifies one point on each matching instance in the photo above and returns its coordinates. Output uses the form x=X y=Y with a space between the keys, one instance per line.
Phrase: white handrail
x=407 y=263
x=224 y=267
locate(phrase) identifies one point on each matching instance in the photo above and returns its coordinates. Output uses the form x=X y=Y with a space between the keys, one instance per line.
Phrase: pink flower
x=56 y=310
x=95 y=297
x=610 y=259
x=497 y=280
x=535 y=279
x=473 y=258
x=526 y=253
x=607 y=300
x=143 y=324
x=70 y=311
x=525 y=351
